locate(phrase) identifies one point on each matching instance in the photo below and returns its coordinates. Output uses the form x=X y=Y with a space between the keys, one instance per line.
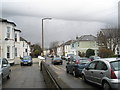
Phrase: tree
x=35 y=50
x=53 y=46
x=36 y=53
x=90 y=52
x=105 y=53
x=108 y=38
x=81 y=54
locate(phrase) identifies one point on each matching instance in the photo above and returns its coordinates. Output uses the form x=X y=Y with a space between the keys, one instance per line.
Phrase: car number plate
x=25 y=62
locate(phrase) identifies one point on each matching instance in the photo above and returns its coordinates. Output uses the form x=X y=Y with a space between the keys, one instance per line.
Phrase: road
x=70 y=79
x=31 y=77
x=25 y=77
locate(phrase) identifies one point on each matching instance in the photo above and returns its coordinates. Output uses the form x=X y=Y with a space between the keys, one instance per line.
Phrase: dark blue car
x=76 y=64
x=26 y=60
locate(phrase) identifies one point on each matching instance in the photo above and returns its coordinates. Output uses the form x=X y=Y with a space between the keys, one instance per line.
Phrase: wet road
x=72 y=81
x=25 y=77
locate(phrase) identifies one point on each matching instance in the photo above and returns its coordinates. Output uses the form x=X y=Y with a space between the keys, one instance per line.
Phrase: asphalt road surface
x=25 y=77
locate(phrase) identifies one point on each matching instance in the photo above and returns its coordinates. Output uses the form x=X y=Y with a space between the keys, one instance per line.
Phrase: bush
x=105 y=53
x=90 y=52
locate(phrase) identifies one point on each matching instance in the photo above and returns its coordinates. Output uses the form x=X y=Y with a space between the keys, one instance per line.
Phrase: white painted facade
x=67 y=49
x=10 y=45
x=24 y=48
x=17 y=43
x=117 y=50
x=7 y=40
x=60 y=50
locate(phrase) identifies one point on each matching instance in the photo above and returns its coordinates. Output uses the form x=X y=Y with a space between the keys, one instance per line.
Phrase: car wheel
x=8 y=77
x=67 y=70
x=83 y=78
x=106 y=86
x=21 y=64
x=74 y=73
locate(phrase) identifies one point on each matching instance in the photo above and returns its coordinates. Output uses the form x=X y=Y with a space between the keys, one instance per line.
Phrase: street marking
x=61 y=68
x=56 y=67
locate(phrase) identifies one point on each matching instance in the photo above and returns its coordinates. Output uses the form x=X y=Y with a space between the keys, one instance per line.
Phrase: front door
x=90 y=70
x=100 y=72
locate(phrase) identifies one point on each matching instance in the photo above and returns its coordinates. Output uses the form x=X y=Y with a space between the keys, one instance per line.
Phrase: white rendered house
x=7 y=42
x=24 y=47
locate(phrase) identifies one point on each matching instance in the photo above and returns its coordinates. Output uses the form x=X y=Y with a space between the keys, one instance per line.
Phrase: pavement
x=25 y=77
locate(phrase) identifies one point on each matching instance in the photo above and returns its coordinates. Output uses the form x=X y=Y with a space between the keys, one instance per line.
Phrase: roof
x=22 y=39
x=5 y=20
x=87 y=38
x=109 y=59
x=17 y=30
x=68 y=42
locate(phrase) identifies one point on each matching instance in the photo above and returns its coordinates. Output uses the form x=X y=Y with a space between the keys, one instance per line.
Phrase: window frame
x=102 y=67
x=8 y=32
x=8 y=51
x=94 y=66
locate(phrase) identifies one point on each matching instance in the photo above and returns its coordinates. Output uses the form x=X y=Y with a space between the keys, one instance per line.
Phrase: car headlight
x=29 y=61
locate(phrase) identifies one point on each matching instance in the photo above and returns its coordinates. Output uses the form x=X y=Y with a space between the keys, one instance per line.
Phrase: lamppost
x=43 y=34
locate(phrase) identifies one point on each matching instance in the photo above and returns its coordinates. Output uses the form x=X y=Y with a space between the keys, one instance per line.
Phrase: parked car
x=26 y=60
x=76 y=64
x=104 y=72
x=68 y=56
x=5 y=68
x=94 y=57
x=63 y=57
x=56 y=60
x=0 y=78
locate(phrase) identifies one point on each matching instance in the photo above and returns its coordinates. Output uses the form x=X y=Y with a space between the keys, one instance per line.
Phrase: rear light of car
x=77 y=62
x=113 y=76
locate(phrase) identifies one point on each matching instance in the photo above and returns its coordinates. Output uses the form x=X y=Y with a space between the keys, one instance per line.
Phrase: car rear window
x=26 y=58
x=115 y=65
x=57 y=58
x=84 y=61
x=77 y=57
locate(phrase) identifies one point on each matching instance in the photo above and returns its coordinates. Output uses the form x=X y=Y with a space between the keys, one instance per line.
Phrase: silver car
x=5 y=68
x=104 y=72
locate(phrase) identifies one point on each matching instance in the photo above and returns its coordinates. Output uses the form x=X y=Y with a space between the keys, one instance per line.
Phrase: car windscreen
x=26 y=58
x=57 y=58
x=97 y=57
x=77 y=57
x=115 y=65
x=84 y=61
x=70 y=55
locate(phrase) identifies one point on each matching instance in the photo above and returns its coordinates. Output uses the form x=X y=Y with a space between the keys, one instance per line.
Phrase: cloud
x=70 y=17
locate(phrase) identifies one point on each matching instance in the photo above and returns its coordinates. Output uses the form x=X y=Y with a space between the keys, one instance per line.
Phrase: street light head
x=46 y=18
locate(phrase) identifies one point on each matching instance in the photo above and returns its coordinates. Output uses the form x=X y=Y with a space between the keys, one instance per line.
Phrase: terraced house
x=10 y=43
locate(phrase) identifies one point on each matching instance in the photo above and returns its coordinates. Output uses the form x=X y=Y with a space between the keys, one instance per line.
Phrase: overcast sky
x=70 y=18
